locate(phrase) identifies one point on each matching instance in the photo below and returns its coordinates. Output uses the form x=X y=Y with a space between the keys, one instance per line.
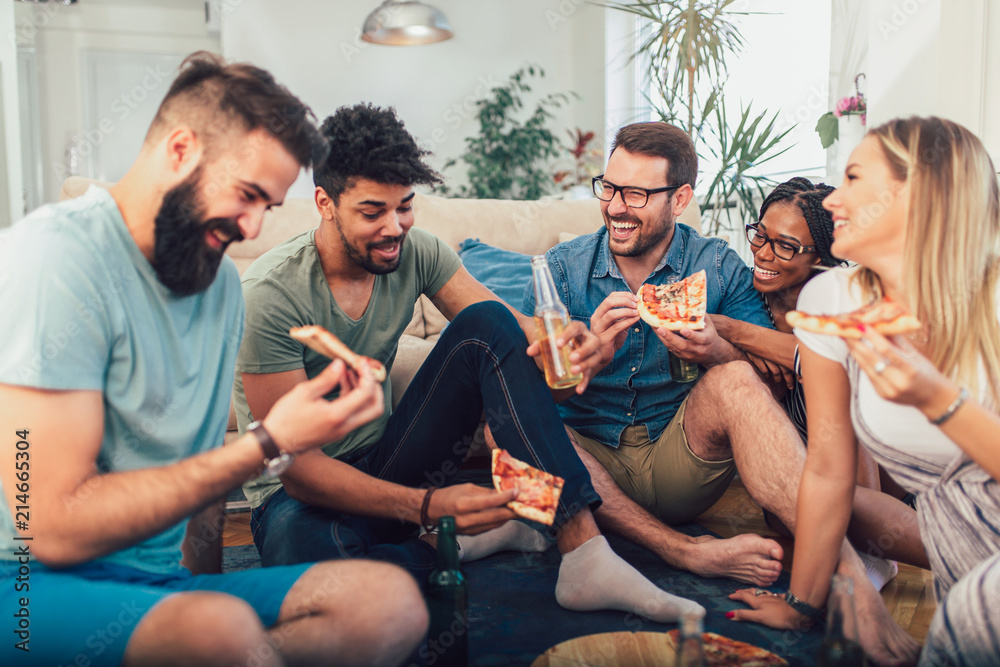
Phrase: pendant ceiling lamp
x=402 y=23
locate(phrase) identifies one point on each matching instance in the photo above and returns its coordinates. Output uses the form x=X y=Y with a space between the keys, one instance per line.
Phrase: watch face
x=278 y=465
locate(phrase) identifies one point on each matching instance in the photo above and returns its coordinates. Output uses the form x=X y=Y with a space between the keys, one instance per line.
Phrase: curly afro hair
x=369 y=142
x=809 y=198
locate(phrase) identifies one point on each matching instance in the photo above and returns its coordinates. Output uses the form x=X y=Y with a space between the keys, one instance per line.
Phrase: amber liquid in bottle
x=551 y=317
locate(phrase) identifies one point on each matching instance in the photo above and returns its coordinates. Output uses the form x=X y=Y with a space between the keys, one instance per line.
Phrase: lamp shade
x=406 y=24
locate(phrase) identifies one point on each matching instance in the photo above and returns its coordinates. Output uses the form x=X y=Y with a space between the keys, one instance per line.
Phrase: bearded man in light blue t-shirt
x=122 y=319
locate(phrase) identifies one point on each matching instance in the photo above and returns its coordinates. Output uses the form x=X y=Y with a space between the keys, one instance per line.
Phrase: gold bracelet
x=963 y=395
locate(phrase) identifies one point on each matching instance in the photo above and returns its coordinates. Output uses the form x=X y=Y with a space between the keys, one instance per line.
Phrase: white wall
x=62 y=34
x=11 y=183
x=934 y=57
x=316 y=50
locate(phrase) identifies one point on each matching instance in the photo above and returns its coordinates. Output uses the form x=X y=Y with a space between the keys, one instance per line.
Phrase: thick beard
x=642 y=243
x=366 y=261
x=184 y=262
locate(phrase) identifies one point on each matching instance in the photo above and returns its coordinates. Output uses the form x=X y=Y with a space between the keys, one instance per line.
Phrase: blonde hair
x=950 y=261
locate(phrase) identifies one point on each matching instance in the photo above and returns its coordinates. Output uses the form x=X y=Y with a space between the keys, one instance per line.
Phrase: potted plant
x=687 y=49
x=574 y=174
x=828 y=126
x=509 y=158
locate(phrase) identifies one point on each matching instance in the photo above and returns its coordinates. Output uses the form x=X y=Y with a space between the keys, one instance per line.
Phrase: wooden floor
x=909 y=597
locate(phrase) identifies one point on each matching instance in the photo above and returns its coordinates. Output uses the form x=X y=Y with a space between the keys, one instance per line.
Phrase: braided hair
x=809 y=198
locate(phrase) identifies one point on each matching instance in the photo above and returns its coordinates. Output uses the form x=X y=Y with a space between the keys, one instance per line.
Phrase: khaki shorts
x=664 y=477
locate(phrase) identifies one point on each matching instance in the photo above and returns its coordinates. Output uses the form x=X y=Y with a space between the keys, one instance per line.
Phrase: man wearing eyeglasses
x=661 y=451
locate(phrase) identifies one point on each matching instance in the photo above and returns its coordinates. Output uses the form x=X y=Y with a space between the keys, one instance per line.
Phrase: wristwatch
x=275 y=461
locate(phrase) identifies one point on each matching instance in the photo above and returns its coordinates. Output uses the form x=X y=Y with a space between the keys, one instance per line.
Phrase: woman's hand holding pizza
x=476 y=509
x=900 y=373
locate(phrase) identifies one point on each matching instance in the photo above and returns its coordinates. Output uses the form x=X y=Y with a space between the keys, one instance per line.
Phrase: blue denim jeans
x=478 y=364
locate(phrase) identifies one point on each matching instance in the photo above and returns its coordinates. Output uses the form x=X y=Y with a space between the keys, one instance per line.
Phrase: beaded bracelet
x=963 y=395
x=425 y=520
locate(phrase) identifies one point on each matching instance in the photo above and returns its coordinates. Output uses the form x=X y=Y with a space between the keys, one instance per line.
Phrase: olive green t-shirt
x=286 y=288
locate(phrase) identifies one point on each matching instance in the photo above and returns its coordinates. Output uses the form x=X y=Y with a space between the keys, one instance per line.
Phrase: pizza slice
x=321 y=340
x=538 y=491
x=675 y=306
x=885 y=316
x=720 y=650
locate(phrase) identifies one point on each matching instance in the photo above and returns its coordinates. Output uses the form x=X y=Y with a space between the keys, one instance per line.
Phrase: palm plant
x=686 y=50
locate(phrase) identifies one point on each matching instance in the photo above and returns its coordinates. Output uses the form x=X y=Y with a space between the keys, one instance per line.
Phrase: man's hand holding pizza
x=303 y=419
x=612 y=319
x=476 y=509
x=704 y=346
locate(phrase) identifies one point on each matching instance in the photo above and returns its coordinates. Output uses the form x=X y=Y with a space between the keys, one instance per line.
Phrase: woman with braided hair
x=919 y=211
x=790 y=242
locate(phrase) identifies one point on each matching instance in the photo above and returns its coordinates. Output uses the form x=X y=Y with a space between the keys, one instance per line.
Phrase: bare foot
x=883 y=640
x=748 y=558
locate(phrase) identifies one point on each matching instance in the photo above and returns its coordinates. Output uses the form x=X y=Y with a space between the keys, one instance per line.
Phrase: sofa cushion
x=505 y=272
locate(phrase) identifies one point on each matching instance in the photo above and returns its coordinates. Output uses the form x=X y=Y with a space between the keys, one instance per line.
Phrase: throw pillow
x=505 y=272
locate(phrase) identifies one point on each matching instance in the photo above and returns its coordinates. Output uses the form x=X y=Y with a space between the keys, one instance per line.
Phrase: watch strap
x=267 y=443
x=803 y=608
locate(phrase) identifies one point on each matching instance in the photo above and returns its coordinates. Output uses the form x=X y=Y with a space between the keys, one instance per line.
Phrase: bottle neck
x=546 y=297
x=841 y=621
x=447 y=546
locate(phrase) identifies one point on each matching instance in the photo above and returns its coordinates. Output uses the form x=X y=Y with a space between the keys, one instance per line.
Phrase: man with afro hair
x=359 y=274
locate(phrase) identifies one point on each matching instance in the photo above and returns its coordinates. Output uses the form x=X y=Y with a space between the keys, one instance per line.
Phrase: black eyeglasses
x=633 y=197
x=781 y=249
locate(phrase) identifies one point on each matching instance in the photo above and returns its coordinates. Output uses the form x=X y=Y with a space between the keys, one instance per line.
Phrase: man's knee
x=487 y=314
x=376 y=605
x=212 y=627
x=733 y=378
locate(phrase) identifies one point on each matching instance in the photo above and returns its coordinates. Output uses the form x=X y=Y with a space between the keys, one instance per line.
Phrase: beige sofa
x=530 y=227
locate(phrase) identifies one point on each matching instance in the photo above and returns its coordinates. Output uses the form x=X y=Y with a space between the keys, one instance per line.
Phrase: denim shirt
x=635 y=388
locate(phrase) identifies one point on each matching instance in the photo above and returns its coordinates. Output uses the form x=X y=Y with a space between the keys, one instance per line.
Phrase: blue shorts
x=84 y=616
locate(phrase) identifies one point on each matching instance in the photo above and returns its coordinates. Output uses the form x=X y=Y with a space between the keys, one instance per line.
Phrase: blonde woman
x=919 y=211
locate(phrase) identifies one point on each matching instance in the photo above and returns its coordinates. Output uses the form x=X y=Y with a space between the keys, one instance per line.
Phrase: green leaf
x=828 y=128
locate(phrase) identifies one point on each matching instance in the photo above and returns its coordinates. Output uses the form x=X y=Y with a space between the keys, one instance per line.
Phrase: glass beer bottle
x=448 y=636
x=551 y=317
x=840 y=647
x=691 y=647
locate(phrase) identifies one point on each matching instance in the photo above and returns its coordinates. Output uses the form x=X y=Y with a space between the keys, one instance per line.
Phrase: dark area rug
x=514 y=616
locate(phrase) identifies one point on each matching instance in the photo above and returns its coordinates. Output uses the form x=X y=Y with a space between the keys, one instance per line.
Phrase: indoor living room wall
x=315 y=48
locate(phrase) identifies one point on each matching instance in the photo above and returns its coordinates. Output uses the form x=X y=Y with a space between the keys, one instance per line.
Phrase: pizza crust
x=321 y=340
x=885 y=316
x=721 y=650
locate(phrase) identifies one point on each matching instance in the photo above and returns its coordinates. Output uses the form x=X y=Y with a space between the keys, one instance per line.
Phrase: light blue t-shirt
x=83 y=309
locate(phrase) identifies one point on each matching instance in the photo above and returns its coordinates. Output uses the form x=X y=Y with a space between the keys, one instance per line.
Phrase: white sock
x=879 y=570
x=593 y=577
x=512 y=536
